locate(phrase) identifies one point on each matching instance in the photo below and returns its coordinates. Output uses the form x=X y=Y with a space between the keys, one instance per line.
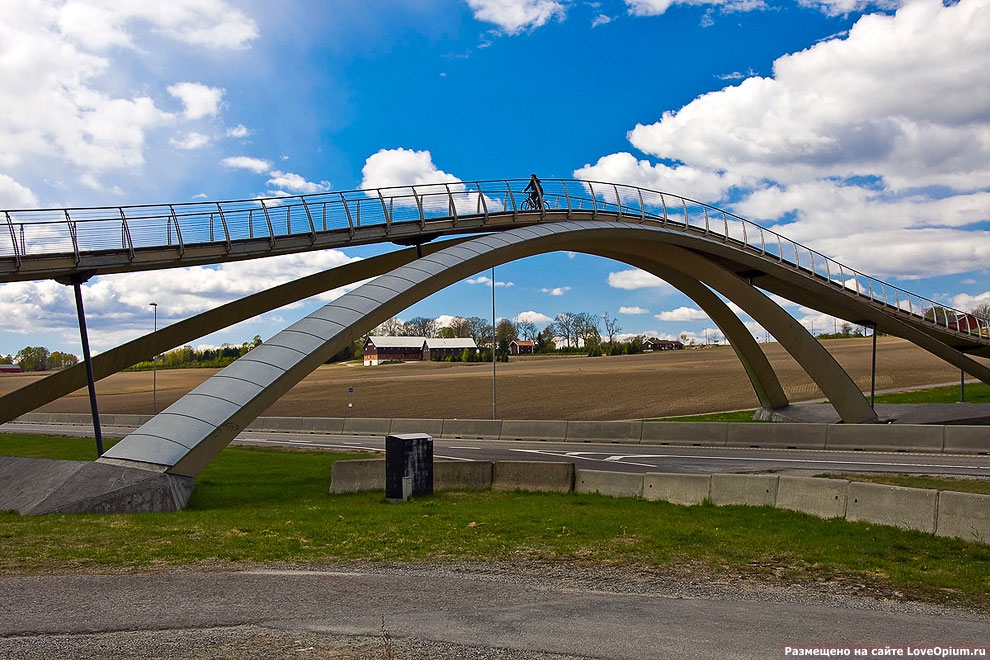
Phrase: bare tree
x=527 y=330
x=390 y=328
x=563 y=325
x=506 y=331
x=612 y=326
x=586 y=329
x=421 y=327
x=982 y=310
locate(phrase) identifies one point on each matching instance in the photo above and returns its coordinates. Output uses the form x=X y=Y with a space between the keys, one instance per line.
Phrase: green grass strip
x=263 y=505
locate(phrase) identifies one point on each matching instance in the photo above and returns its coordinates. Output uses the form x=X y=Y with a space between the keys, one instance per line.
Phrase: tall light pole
x=154 y=369
x=494 y=341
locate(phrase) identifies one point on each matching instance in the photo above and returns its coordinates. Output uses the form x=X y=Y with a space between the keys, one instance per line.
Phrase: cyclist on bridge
x=535 y=190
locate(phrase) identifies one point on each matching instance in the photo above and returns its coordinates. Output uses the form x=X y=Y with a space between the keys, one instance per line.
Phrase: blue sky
x=861 y=129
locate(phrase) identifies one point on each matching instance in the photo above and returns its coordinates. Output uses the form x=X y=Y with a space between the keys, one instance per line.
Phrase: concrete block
x=277 y=424
x=691 y=434
x=777 y=435
x=613 y=484
x=683 y=489
x=748 y=489
x=128 y=421
x=885 y=437
x=431 y=427
x=322 y=425
x=474 y=429
x=964 y=515
x=542 y=476
x=357 y=476
x=520 y=429
x=911 y=508
x=966 y=440
x=34 y=418
x=367 y=426
x=65 y=418
x=622 y=432
x=825 y=498
x=462 y=475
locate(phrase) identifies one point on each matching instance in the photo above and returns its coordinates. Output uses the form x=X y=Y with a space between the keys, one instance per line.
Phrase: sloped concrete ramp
x=38 y=485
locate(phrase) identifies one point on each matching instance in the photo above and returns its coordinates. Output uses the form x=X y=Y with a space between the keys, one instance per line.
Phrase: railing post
x=268 y=220
x=388 y=218
x=178 y=231
x=663 y=203
x=419 y=205
x=594 y=202
x=73 y=234
x=450 y=199
x=618 y=202
x=125 y=235
x=347 y=212
x=309 y=216
x=223 y=223
x=511 y=199
x=567 y=196
x=484 y=204
x=13 y=240
x=642 y=206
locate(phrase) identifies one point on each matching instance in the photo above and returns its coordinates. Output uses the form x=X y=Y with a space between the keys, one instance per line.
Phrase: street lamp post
x=154 y=369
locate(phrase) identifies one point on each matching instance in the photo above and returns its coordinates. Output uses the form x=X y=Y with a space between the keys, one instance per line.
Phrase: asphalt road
x=438 y=614
x=618 y=457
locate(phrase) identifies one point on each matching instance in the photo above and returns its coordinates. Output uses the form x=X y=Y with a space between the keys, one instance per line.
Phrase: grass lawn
x=265 y=505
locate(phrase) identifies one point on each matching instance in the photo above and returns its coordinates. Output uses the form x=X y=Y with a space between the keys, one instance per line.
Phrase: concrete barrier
x=34 y=418
x=885 y=437
x=624 y=432
x=462 y=475
x=431 y=427
x=748 y=489
x=357 y=476
x=324 y=425
x=825 y=498
x=910 y=508
x=964 y=515
x=966 y=440
x=691 y=434
x=473 y=429
x=128 y=421
x=367 y=426
x=683 y=489
x=778 y=435
x=277 y=424
x=520 y=429
x=613 y=484
x=541 y=476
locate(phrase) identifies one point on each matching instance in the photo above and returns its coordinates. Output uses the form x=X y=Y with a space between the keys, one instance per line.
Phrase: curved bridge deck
x=42 y=244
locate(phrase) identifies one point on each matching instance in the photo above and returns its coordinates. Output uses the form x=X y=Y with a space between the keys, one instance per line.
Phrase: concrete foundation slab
x=613 y=484
x=683 y=489
x=36 y=486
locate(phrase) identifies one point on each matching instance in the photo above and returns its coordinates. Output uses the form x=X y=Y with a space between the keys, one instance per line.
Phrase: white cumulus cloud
x=198 y=100
x=634 y=279
x=682 y=314
x=633 y=310
x=515 y=16
x=256 y=165
x=532 y=317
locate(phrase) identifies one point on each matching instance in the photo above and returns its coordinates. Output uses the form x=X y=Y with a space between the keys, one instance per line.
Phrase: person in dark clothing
x=535 y=190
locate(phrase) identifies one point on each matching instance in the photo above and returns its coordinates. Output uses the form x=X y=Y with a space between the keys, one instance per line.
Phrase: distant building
x=413 y=349
x=9 y=369
x=385 y=349
x=521 y=347
x=441 y=348
x=655 y=344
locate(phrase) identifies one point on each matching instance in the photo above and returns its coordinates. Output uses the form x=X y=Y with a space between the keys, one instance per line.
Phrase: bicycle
x=532 y=203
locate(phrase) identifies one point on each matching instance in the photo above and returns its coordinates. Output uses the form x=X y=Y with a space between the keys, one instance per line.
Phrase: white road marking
x=467 y=448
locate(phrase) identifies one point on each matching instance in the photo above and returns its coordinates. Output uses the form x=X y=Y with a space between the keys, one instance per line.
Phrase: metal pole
x=494 y=342
x=962 y=386
x=76 y=281
x=154 y=369
x=873 y=370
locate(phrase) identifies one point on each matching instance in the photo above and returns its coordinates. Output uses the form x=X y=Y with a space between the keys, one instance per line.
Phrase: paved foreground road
x=439 y=613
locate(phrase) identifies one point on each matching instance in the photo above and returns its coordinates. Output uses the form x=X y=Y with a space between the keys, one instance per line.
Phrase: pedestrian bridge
x=709 y=254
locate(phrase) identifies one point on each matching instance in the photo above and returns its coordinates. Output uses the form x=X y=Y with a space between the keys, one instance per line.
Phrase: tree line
x=39 y=358
x=187 y=357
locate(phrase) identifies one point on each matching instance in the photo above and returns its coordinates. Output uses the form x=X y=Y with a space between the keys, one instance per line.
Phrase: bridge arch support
x=189 y=434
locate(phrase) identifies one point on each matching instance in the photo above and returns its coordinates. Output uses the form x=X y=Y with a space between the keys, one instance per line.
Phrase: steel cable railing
x=127 y=229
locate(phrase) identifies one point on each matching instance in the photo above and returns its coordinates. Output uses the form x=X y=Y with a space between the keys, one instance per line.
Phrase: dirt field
x=606 y=388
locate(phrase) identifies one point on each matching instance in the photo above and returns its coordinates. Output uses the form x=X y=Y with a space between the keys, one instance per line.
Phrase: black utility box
x=408 y=455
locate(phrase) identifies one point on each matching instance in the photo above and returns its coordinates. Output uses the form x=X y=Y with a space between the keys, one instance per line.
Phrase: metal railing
x=128 y=229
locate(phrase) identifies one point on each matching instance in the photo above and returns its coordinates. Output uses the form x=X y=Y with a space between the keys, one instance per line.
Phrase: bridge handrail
x=80 y=230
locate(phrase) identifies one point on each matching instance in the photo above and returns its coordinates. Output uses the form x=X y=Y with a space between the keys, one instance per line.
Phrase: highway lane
x=617 y=457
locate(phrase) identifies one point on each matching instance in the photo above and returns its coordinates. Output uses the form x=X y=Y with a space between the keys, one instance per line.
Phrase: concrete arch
x=765 y=383
x=190 y=433
x=45 y=390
